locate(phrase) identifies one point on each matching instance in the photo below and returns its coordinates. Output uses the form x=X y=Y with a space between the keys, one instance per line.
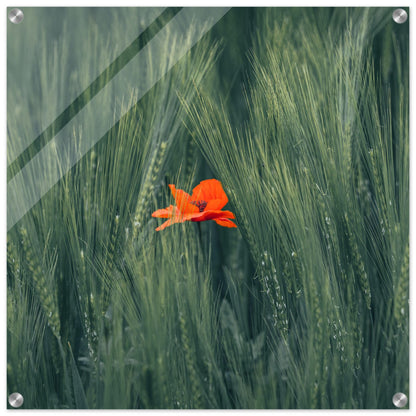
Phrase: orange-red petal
x=183 y=200
x=210 y=190
x=164 y=225
x=210 y=215
x=214 y=205
x=173 y=219
x=165 y=212
x=225 y=222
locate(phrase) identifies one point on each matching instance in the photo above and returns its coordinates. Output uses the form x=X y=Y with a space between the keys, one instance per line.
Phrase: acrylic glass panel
x=207 y=208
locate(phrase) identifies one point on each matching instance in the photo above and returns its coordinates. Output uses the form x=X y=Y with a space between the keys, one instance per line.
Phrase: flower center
x=201 y=204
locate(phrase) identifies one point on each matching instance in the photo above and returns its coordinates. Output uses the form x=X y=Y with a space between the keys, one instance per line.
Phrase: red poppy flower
x=204 y=204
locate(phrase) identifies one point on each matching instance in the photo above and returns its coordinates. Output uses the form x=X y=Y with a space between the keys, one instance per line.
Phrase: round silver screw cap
x=399 y=16
x=400 y=399
x=16 y=16
x=15 y=400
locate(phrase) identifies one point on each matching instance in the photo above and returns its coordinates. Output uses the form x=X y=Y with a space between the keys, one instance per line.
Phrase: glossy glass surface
x=207 y=208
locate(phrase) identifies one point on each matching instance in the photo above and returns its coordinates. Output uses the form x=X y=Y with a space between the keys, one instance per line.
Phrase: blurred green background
x=303 y=115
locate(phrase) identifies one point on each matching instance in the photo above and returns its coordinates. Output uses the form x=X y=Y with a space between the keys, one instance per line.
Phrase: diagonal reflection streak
x=60 y=154
x=105 y=77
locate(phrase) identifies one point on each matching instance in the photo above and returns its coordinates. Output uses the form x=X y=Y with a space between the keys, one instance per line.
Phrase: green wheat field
x=302 y=114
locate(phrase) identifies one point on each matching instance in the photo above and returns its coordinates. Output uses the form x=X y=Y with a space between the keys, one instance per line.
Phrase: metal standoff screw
x=400 y=400
x=400 y=16
x=16 y=16
x=15 y=400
